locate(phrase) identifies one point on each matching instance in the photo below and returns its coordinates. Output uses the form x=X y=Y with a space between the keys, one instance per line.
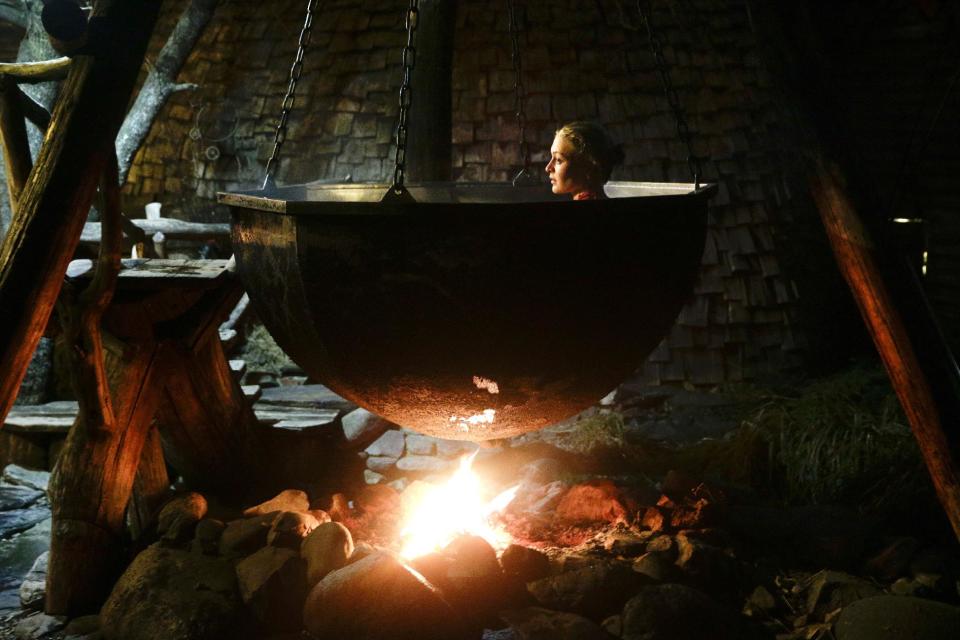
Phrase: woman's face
x=567 y=173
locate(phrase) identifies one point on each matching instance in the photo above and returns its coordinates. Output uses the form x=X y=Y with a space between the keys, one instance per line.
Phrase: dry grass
x=840 y=440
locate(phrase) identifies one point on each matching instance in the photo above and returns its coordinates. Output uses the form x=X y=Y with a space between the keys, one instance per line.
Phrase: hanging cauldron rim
x=356 y=198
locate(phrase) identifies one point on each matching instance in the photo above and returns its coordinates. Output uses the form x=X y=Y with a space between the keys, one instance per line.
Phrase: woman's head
x=582 y=157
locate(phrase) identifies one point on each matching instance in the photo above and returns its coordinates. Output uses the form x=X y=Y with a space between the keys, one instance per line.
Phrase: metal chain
x=406 y=91
x=673 y=98
x=295 y=71
x=520 y=92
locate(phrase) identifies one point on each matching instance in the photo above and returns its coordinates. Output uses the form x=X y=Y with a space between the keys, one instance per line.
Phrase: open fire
x=436 y=514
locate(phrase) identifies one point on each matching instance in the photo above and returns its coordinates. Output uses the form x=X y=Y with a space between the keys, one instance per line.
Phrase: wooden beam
x=429 y=146
x=91 y=487
x=54 y=203
x=35 y=72
x=852 y=249
x=13 y=136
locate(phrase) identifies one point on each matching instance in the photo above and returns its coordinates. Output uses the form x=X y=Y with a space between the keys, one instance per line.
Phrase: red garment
x=589 y=195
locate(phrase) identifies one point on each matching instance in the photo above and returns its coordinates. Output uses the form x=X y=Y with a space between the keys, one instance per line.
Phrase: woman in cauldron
x=582 y=157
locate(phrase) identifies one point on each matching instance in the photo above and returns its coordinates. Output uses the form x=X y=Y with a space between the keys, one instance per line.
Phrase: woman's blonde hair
x=592 y=143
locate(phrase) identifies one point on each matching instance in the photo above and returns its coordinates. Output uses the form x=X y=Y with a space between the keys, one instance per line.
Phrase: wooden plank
x=173 y=229
x=156 y=269
x=314 y=396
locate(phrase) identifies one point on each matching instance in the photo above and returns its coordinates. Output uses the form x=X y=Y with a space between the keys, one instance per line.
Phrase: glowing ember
x=441 y=513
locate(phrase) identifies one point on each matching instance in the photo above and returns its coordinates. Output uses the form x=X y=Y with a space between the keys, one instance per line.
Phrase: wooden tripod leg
x=210 y=434
x=853 y=252
x=151 y=487
x=91 y=485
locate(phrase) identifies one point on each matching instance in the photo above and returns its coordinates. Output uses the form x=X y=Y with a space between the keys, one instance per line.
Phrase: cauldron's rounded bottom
x=478 y=311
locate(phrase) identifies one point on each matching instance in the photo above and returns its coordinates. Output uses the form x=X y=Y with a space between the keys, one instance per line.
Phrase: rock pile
x=592 y=557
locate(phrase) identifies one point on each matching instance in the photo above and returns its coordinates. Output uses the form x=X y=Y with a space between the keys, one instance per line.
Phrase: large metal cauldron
x=479 y=311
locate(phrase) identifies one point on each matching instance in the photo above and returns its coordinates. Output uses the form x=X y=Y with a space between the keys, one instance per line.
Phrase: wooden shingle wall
x=581 y=60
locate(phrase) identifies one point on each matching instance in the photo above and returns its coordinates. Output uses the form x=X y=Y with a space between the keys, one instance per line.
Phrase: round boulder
x=395 y=604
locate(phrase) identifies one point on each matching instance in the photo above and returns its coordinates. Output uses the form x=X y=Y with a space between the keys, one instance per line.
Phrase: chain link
x=673 y=98
x=295 y=71
x=409 y=60
x=520 y=91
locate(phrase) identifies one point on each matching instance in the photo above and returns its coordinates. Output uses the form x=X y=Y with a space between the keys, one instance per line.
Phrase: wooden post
x=853 y=252
x=150 y=488
x=429 y=147
x=54 y=203
x=91 y=486
x=209 y=431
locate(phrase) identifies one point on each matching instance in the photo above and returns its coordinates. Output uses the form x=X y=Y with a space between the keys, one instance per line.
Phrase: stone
x=524 y=563
x=361 y=427
x=474 y=583
x=378 y=499
x=422 y=464
x=391 y=445
x=420 y=445
x=828 y=591
x=207 y=534
x=273 y=584
x=321 y=515
x=23 y=477
x=537 y=623
x=34 y=585
x=171 y=594
x=592 y=502
x=372 y=477
x=179 y=517
x=38 y=625
x=625 y=543
x=289 y=529
x=289 y=500
x=885 y=617
x=760 y=602
x=14 y=497
x=244 y=536
x=678 y=612
x=379 y=464
x=325 y=549
x=595 y=591
x=19 y=520
x=340 y=509
x=708 y=567
x=893 y=560
x=454 y=448
x=542 y=471
x=538 y=498
x=82 y=626
x=656 y=565
x=399 y=485
x=396 y=604
x=663 y=543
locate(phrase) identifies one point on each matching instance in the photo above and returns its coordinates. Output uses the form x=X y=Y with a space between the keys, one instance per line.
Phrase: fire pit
x=476 y=311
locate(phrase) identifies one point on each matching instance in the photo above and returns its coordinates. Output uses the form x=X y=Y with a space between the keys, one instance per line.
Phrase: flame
x=444 y=512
